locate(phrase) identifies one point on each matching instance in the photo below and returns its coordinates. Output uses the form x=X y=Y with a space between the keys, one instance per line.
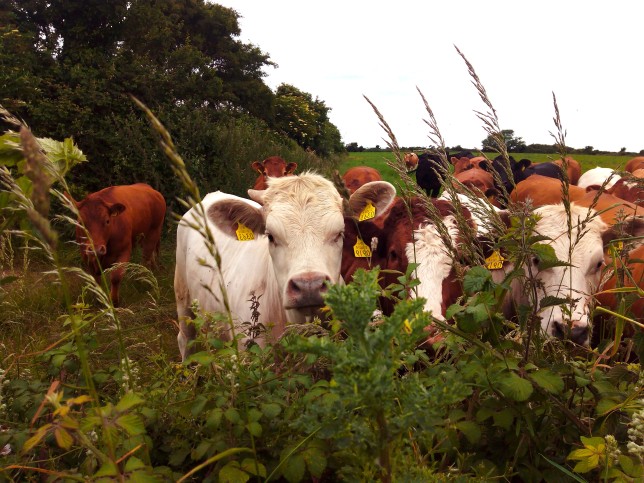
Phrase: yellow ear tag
x=361 y=250
x=619 y=245
x=244 y=233
x=368 y=212
x=494 y=261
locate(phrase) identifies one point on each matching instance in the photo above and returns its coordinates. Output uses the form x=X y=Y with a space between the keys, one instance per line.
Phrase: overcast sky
x=589 y=53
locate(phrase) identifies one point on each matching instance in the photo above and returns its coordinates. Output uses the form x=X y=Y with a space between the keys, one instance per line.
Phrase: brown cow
x=610 y=207
x=411 y=161
x=464 y=164
x=634 y=164
x=355 y=177
x=544 y=190
x=114 y=218
x=573 y=169
x=608 y=300
x=629 y=189
x=406 y=234
x=272 y=167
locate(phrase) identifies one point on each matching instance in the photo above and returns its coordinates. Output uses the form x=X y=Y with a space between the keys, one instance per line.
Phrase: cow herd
x=272 y=257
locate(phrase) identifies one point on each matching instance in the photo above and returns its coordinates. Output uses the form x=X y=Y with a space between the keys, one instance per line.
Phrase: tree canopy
x=514 y=144
x=68 y=69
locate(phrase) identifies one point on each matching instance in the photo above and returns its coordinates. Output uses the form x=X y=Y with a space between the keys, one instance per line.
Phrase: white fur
x=597 y=176
x=480 y=209
x=578 y=281
x=435 y=263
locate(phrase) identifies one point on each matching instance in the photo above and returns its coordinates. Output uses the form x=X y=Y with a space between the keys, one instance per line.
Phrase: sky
x=590 y=54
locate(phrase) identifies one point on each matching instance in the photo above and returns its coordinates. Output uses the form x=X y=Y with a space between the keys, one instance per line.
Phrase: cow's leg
x=150 y=245
x=117 y=276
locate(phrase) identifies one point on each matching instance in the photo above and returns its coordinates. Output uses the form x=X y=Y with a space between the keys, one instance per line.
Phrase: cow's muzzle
x=306 y=290
x=578 y=332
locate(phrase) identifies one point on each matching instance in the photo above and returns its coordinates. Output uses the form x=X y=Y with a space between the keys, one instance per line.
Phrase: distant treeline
x=528 y=148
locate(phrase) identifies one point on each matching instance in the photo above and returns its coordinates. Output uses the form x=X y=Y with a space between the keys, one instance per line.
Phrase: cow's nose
x=578 y=334
x=306 y=290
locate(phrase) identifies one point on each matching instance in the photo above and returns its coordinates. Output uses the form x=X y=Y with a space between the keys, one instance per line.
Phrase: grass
x=378 y=160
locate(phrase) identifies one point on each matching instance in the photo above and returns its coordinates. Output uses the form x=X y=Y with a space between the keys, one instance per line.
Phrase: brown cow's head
x=274 y=167
x=97 y=216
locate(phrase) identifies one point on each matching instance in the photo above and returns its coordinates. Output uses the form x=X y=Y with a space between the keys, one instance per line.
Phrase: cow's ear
x=632 y=227
x=380 y=194
x=593 y=187
x=454 y=160
x=257 y=166
x=257 y=196
x=523 y=164
x=290 y=168
x=116 y=209
x=228 y=214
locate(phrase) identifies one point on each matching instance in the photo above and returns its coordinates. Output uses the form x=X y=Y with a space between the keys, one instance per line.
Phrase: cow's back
x=145 y=207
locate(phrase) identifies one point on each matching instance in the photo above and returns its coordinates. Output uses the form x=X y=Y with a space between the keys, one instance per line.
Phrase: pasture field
x=90 y=392
x=379 y=160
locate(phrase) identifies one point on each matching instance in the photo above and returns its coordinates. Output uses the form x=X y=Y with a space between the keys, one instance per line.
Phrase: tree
x=306 y=120
x=513 y=143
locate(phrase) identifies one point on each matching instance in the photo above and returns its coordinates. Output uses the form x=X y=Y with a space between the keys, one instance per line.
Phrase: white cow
x=597 y=177
x=297 y=225
x=578 y=281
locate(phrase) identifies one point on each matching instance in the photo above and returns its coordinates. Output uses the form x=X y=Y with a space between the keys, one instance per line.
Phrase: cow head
x=302 y=222
x=583 y=252
x=274 y=167
x=96 y=217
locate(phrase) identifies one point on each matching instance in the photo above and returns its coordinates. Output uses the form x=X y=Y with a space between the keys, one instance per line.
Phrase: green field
x=379 y=160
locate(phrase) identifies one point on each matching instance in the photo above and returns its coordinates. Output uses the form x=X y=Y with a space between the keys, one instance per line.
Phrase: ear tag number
x=494 y=261
x=368 y=212
x=619 y=245
x=361 y=250
x=244 y=233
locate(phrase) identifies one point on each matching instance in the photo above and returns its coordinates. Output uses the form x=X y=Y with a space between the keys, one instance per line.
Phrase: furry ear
x=227 y=214
x=380 y=194
x=290 y=168
x=258 y=166
x=632 y=227
x=115 y=209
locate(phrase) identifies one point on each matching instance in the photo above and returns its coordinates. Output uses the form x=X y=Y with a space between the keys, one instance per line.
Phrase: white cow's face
x=302 y=222
x=576 y=282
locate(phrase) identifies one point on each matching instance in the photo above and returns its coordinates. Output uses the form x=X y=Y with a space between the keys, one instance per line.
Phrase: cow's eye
x=393 y=255
x=599 y=265
x=535 y=261
x=339 y=237
x=107 y=222
x=271 y=239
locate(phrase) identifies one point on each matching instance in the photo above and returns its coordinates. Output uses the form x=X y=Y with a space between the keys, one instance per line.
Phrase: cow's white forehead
x=554 y=224
x=307 y=195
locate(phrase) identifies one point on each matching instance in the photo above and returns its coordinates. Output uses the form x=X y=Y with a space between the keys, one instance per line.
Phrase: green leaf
x=271 y=410
x=232 y=474
x=453 y=310
x=249 y=465
x=232 y=415
x=550 y=300
x=131 y=423
x=294 y=468
x=315 y=460
x=503 y=419
x=471 y=430
x=214 y=418
x=547 y=257
x=129 y=401
x=515 y=387
x=549 y=381
x=134 y=463
x=254 y=428
x=203 y=358
x=476 y=279
x=108 y=469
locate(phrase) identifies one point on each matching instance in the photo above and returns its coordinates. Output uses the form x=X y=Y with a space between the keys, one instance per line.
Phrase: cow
x=543 y=190
x=610 y=208
x=411 y=161
x=583 y=251
x=464 y=163
x=629 y=189
x=110 y=223
x=635 y=277
x=407 y=234
x=430 y=173
x=596 y=177
x=293 y=234
x=634 y=164
x=573 y=168
x=359 y=175
x=271 y=167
